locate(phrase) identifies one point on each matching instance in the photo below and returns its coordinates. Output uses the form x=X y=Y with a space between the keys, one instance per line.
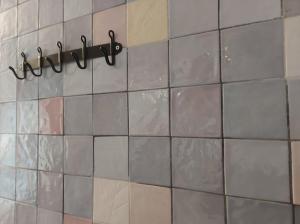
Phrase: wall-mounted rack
x=80 y=56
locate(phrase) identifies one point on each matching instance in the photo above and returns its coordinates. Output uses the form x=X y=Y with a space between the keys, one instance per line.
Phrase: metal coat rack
x=80 y=56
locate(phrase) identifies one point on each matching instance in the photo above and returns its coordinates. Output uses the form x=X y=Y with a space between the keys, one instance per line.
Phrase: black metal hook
x=76 y=57
x=23 y=68
x=114 y=47
x=60 y=61
x=40 y=63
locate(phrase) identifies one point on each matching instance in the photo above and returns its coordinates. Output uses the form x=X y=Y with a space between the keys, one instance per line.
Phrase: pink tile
x=51 y=116
x=68 y=219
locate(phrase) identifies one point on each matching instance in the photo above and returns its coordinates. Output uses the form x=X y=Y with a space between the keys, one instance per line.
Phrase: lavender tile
x=8 y=55
x=50 y=84
x=26 y=151
x=27 y=118
x=8 y=118
x=49 y=217
x=7 y=87
x=50 y=12
x=294 y=108
x=291 y=8
x=7 y=183
x=7 y=212
x=28 y=17
x=100 y=5
x=77 y=8
x=26 y=186
x=25 y=214
x=8 y=20
x=48 y=38
x=7 y=152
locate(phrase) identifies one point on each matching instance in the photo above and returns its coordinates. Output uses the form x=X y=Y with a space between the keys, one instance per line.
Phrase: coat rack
x=80 y=56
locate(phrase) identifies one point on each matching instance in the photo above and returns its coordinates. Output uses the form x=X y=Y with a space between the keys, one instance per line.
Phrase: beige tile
x=296 y=171
x=149 y=204
x=68 y=219
x=111 y=19
x=147 y=21
x=111 y=201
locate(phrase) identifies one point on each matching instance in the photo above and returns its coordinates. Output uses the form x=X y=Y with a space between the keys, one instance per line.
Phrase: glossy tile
x=48 y=38
x=27 y=89
x=7 y=87
x=8 y=20
x=295 y=172
x=28 y=44
x=27 y=117
x=7 y=183
x=26 y=186
x=50 y=12
x=6 y=4
x=197 y=164
x=196 y=111
x=68 y=219
x=77 y=8
x=150 y=160
x=7 y=152
x=197 y=207
x=291 y=7
x=100 y=5
x=294 y=108
x=25 y=214
x=28 y=13
x=49 y=217
x=7 y=211
x=149 y=113
x=26 y=151
x=8 y=118
x=50 y=84
x=8 y=55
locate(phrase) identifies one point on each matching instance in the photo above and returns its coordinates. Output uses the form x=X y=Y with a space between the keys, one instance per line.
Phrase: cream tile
x=296 y=171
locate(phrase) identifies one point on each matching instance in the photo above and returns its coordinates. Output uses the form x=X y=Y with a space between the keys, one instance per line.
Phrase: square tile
x=7 y=152
x=196 y=111
x=150 y=160
x=296 y=172
x=27 y=117
x=157 y=210
x=110 y=115
x=51 y=116
x=49 y=217
x=77 y=8
x=50 y=191
x=149 y=113
x=250 y=166
x=197 y=164
x=202 y=16
x=253 y=52
x=27 y=89
x=100 y=5
x=147 y=21
x=6 y=4
x=111 y=157
x=195 y=60
x=255 y=109
x=7 y=212
x=148 y=66
x=111 y=201
x=294 y=108
x=7 y=87
x=26 y=186
x=258 y=212
x=26 y=151
x=8 y=54
x=69 y=219
x=78 y=155
x=291 y=7
x=297 y=214
x=235 y=12
x=8 y=20
x=7 y=183
x=50 y=84
x=25 y=214
x=50 y=12
x=7 y=118
x=28 y=44
x=78 y=115
x=197 y=207
x=28 y=13
x=78 y=196
x=48 y=38
x=51 y=153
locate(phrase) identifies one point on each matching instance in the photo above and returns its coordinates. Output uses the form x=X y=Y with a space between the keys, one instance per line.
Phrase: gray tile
x=297 y=215
x=111 y=157
x=7 y=152
x=77 y=8
x=78 y=115
x=148 y=66
x=50 y=12
x=7 y=87
x=27 y=89
x=255 y=109
x=6 y=4
x=149 y=113
x=196 y=111
x=50 y=84
x=257 y=169
x=258 y=212
x=235 y=12
x=7 y=211
x=78 y=196
x=150 y=160
x=78 y=155
x=49 y=217
x=202 y=16
x=28 y=44
x=100 y=5
x=294 y=108
x=8 y=54
x=8 y=118
x=25 y=214
x=197 y=164
x=48 y=38
x=28 y=13
x=8 y=21
x=253 y=52
x=7 y=183
x=26 y=151
x=196 y=207
x=291 y=7
x=110 y=114
x=26 y=186
x=27 y=118
x=50 y=191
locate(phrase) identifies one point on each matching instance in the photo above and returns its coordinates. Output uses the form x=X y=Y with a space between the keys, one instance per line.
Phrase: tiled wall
x=197 y=122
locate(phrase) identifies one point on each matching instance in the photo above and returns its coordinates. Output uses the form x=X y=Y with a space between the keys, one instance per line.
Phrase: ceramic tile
x=257 y=169
x=202 y=16
x=78 y=196
x=157 y=210
x=149 y=113
x=150 y=160
x=26 y=186
x=51 y=153
x=148 y=66
x=147 y=21
x=258 y=212
x=26 y=151
x=48 y=38
x=6 y=4
x=7 y=183
x=100 y=5
x=235 y=12
x=7 y=87
x=111 y=201
x=297 y=214
x=78 y=155
x=295 y=171
x=27 y=89
x=27 y=118
x=253 y=52
x=50 y=84
x=7 y=152
x=28 y=44
x=111 y=157
x=110 y=114
x=68 y=219
x=8 y=118
x=8 y=20
x=196 y=111
x=50 y=191
x=294 y=108
x=77 y=8
x=50 y=12
x=49 y=217
x=25 y=214
x=78 y=115
x=197 y=164
x=7 y=212
x=51 y=116
x=197 y=207
x=8 y=55
x=28 y=13
x=291 y=7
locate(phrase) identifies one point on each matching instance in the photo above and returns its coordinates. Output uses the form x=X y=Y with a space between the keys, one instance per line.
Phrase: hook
x=76 y=57
x=59 y=45
x=23 y=68
x=40 y=63
x=113 y=48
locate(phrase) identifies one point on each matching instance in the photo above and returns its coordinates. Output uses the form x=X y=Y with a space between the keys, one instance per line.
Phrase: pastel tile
x=28 y=44
x=26 y=151
x=7 y=183
x=111 y=201
x=294 y=108
x=197 y=164
x=8 y=118
x=7 y=212
x=196 y=111
x=6 y=4
x=110 y=115
x=68 y=219
x=192 y=16
x=149 y=113
x=25 y=214
x=111 y=157
x=258 y=212
x=48 y=38
x=51 y=116
x=150 y=160
x=8 y=54
x=296 y=171
x=291 y=8
x=77 y=8
x=26 y=186
x=27 y=119
x=49 y=217
x=257 y=169
x=50 y=12
x=28 y=16
x=148 y=66
x=197 y=207
x=8 y=20
x=27 y=89
x=253 y=52
x=7 y=152
x=100 y=5
x=50 y=84
x=78 y=115
x=7 y=87
x=255 y=109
